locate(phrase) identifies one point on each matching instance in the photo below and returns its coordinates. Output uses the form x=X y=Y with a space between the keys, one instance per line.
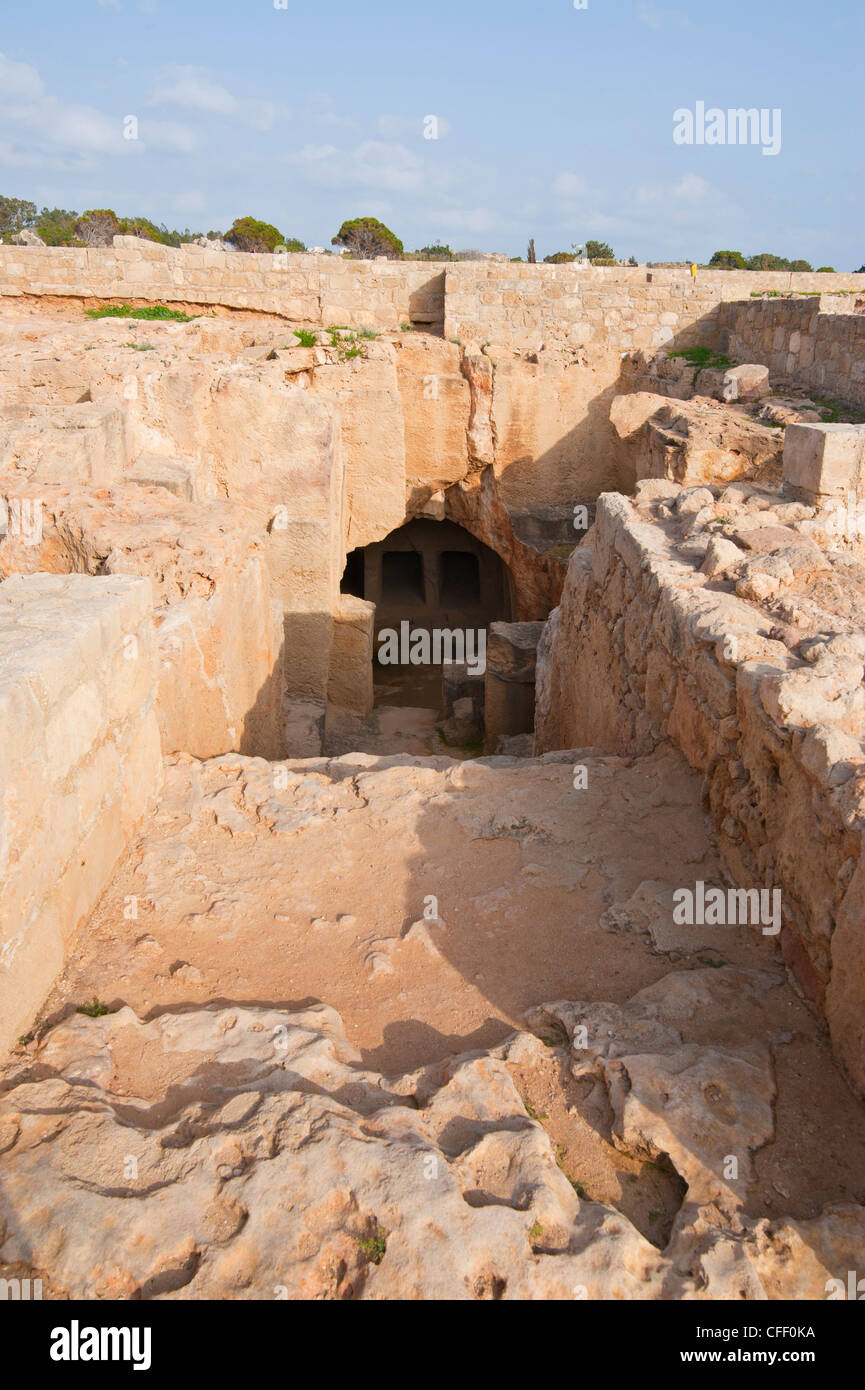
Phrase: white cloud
x=311 y=153
x=660 y=19
x=20 y=81
x=11 y=158
x=689 y=189
x=192 y=201
x=194 y=89
x=43 y=129
x=188 y=86
x=412 y=127
x=570 y=186
x=692 y=188
x=372 y=164
x=467 y=220
x=168 y=135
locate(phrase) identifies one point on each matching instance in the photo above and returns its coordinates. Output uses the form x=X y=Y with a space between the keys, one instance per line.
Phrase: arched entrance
x=434 y=589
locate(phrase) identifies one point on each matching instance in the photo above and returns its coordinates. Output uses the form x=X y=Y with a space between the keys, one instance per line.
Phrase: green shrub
x=366 y=237
x=98 y=227
x=248 y=234
x=728 y=260
x=436 y=252
x=56 y=227
x=600 y=251
x=15 y=215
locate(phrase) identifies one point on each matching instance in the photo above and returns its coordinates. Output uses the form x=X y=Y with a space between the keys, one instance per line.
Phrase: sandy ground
x=284 y=885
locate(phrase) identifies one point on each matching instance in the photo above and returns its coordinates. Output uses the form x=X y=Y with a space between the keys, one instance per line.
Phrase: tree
x=560 y=258
x=436 y=252
x=98 y=227
x=248 y=234
x=291 y=243
x=801 y=265
x=599 y=251
x=767 y=261
x=728 y=260
x=56 y=227
x=15 y=215
x=830 y=270
x=860 y=271
x=530 y=254
x=367 y=238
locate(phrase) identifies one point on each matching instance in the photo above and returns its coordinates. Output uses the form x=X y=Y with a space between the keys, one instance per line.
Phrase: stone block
x=824 y=460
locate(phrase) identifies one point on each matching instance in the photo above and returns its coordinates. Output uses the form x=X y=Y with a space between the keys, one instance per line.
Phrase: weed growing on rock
x=150 y=311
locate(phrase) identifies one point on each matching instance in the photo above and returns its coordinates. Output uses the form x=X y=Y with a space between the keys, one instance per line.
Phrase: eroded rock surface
x=247 y=1153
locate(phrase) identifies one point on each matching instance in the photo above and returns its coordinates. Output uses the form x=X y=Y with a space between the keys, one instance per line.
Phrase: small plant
x=703 y=358
x=407 y=327
x=336 y=337
x=367 y=333
x=150 y=311
x=580 y=1190
x=655 y=1216
x=141 y=347
x=94 y=1010
x=536 y=1232
x=306 y=338
x=837 y=412
x=712 y=964
x=351 y=352
x=532 y=1112
x=373 y=1247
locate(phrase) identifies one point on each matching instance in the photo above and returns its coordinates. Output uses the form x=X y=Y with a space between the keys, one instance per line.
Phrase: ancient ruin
x=432 y=785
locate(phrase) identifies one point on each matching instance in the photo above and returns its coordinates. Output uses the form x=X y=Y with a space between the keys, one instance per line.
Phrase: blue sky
x=553 y=122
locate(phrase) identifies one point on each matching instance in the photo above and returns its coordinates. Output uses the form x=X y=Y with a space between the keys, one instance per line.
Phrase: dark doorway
x=459 y=579
x=402 y=577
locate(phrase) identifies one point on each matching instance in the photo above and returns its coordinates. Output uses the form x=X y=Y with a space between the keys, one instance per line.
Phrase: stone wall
x=219 y=635
x=617 y=307
x=644 y=648
x=303 y=288
x=80 y=764
x=817 y=342
x=510 y=304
